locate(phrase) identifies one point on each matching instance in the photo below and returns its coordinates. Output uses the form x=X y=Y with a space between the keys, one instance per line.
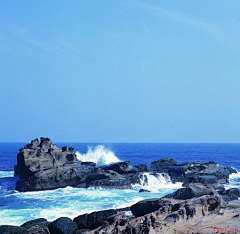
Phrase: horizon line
x=108 y=142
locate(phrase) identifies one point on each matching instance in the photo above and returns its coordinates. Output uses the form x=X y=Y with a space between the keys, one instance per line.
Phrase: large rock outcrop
x=209 y=173
x=42 y=166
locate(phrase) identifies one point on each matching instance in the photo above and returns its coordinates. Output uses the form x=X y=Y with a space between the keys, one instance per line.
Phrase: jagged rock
x=40 y=222
x=8 y=229
x=158 y=164
x=63 y=225
x=193 y=190
x=197 y=215
x=181 y=172
x=43 y=166
x=94 y=219
x=142 y=167
x=38 y=230
x=206 y=180
x=100 y=174
x=107 y=179
x=121 y=167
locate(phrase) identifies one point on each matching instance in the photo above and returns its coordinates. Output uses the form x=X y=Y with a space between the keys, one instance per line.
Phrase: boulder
x=147 y=206
x=94 y=219
x=38 y=230
x=193 y=190
x=63 y=225
x=231 y=194
x=42 y=166
x=40 y=222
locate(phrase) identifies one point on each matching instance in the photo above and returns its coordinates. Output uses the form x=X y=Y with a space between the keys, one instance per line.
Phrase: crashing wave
x=99 y=155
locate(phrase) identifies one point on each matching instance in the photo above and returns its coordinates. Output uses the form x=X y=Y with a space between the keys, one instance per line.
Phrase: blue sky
x=120 y=71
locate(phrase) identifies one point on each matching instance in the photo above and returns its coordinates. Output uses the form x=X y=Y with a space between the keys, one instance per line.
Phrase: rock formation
x=42 y=166
x=203 y=205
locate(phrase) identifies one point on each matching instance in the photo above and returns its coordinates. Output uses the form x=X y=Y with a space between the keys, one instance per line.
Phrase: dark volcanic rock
x=143 y=191
x=204 y=179
x=107 y=179
x=40 y=222
x=121 y=167
x=193 y=190
x=94 y=219
x=197 y=171
x=43 y=166
x=63 y=225
x=8 y=229
x=89 y=164
x=232 y=194
x=147 y=206
x=197 y=215
x=157 y=165
x=142 y=167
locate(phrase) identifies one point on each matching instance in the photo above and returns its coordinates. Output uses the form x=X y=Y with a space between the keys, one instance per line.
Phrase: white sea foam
x=4 y=174
x=68 y=202
x=234 y=180
x=156 y=181
x=99 y=155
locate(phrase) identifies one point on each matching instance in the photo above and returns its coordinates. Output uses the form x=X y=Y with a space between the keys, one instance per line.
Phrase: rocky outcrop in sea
x=42 y=166
x=202 y=205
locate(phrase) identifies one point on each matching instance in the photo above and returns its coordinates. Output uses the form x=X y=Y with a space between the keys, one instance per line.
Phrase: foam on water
x=234 y=180
x=17 y=208
x=156 y=181
x=4 y=174
x=99 y=155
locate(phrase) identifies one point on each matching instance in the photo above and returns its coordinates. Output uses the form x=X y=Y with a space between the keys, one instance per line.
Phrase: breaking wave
x=156 y=181
x=234 y=180
x=99 y=155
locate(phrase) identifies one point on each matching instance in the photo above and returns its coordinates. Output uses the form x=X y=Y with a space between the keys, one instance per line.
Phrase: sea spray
x=99 y=155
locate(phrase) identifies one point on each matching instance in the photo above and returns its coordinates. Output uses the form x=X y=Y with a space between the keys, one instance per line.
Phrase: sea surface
x=17 y=208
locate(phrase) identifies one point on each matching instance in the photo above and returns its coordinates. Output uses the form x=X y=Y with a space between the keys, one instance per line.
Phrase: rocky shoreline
x=201 y=206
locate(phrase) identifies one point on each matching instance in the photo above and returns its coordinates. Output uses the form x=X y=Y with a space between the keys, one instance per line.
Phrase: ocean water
x=17 y=208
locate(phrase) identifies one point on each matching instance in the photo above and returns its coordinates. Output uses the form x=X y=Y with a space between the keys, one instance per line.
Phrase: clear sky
x=120 y=71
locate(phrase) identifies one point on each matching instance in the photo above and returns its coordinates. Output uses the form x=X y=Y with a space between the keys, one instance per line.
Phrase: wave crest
x=99 y=155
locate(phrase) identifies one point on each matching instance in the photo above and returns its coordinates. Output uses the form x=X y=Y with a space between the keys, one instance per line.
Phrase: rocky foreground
x=201 y=206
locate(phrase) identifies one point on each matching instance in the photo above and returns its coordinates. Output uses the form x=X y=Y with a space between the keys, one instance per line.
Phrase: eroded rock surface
x=42 y=165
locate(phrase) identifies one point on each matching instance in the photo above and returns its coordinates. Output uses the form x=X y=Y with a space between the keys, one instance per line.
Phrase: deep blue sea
x=17 y=208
